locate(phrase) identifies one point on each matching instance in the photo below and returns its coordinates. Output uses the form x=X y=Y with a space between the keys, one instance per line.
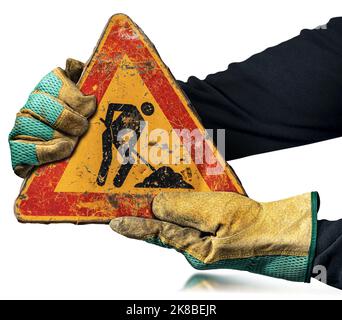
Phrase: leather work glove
x=228 y=230
x=55 y=115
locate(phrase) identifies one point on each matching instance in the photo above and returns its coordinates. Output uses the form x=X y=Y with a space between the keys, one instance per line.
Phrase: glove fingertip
x=116 y=224
x=23 y=171
x=158 y=204
x=136 y=227
x=74 y=69
x=90 y=105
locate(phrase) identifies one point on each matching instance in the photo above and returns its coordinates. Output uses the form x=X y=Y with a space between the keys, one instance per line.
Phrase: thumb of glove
x=74 y=69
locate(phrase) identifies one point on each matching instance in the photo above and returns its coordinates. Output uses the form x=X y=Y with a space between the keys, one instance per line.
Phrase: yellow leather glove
x=54 y=117
x=228 y=230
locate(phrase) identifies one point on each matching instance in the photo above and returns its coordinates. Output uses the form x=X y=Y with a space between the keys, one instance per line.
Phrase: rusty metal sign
x=139 y=102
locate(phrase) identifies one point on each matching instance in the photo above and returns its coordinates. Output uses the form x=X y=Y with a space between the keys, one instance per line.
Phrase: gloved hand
x=228 y=230
x=54 y=117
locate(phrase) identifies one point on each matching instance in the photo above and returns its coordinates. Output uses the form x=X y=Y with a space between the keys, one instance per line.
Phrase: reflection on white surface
x=208 y=282
x=238 y=282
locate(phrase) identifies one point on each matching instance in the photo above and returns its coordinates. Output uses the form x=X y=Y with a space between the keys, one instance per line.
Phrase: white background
x=194 y=38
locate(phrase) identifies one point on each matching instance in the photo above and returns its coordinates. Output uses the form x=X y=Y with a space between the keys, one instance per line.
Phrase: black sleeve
x=288 y=95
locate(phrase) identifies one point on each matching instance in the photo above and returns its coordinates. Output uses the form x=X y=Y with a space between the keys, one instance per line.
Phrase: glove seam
x=178 y=247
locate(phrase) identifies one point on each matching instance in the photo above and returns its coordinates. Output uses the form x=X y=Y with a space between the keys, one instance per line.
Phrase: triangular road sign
x=134 y=89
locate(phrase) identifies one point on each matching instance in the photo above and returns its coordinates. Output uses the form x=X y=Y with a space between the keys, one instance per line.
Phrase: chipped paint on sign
x=131 y=85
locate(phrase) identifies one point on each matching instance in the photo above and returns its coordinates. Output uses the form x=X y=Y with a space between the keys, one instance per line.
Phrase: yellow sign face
x=157 y=143
x=143 y=139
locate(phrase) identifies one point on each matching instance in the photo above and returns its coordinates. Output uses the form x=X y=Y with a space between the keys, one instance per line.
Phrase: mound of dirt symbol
x=164 y=177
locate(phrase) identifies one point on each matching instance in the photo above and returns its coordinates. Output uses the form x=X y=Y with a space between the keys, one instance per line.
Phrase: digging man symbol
x=129 y=122
x=124 y=132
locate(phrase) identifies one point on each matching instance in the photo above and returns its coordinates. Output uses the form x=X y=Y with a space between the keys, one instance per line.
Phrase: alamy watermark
x=320 y=273
x=177 y=146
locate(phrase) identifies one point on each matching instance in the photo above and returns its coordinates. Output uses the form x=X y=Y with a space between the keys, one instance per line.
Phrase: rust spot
x=23 y=197
x=112 y=198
